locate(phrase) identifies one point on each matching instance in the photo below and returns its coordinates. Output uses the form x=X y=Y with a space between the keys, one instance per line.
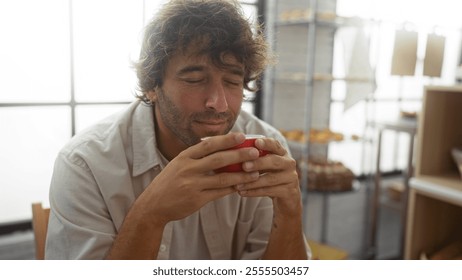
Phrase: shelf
x=298 y=145
x=401 y=125
x=435 y=197
x=356 y=187
x=433 y=222
x=302 y=78
x=440 y=130
x=447 y=188
x=298 y=138
x=305 y=18
x=299 y=89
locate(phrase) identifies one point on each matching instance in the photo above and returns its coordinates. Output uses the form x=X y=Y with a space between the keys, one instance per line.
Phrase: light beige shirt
x=99 y=174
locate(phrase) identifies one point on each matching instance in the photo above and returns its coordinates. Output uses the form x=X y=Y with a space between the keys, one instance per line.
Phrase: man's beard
x=181 y=125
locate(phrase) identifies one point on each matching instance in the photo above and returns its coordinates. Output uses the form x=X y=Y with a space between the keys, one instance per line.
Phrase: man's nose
x=216 y=98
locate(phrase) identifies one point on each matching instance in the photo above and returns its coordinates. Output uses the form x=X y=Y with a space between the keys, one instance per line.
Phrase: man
x=142 y=185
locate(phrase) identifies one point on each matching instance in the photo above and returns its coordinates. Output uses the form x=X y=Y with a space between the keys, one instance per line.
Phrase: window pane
x=86 y=115
x=106 y=41
x=349 y=123
x=443 y=12
x=385 y=111
x=34 y=52
x=31 y=139
x=250 y=12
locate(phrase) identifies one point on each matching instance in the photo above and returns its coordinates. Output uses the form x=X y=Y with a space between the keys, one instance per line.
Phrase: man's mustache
x=205 y=116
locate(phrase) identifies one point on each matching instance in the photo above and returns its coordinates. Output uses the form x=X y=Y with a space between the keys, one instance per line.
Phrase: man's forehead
x=195 y=60
x=200 y=48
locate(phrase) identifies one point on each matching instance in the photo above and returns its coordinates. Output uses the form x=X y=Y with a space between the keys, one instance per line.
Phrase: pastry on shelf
x=296 y=135
x=408 y=114
x=295 y=15
x=322 y=136
x=326 y=16
x=326 y=175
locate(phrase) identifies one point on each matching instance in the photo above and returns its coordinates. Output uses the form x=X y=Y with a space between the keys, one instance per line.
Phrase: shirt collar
x=145 y=154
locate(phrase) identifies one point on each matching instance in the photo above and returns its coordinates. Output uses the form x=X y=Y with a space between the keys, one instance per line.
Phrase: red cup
x=249 y=142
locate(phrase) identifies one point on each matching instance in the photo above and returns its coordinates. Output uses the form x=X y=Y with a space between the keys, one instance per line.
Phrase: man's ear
x=152 y=95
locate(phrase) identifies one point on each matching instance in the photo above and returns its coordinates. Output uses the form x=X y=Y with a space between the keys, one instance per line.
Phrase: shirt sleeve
x=80 y=226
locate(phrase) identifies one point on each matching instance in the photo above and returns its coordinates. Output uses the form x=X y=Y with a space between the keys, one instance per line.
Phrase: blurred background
x=347 y=72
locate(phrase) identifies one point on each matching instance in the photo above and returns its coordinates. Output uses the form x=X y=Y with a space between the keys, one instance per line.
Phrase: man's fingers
x=224 y=158
x=223 y=180
x=214 y=144
x=271 y=145
x=269 y=163
x=213 y=194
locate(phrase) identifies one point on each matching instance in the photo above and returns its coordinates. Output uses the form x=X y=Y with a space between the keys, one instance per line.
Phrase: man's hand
x=279 y=179
x=188 y=182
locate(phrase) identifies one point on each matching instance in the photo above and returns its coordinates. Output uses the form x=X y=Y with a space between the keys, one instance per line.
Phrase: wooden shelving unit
x=435 y=198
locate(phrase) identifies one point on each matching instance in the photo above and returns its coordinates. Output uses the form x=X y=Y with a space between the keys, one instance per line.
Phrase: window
x=393 y=93
x=64 y=65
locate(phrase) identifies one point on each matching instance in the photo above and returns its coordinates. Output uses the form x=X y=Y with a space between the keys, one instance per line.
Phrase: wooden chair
x=40 y=225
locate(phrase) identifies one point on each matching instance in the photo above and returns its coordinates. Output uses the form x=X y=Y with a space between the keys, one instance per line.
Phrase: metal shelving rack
x=314 y=25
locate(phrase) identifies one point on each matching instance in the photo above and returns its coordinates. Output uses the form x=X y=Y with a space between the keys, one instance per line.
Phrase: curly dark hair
x=218 y=25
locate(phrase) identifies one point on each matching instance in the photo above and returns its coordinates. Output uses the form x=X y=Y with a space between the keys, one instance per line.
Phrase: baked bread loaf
x=326 y=175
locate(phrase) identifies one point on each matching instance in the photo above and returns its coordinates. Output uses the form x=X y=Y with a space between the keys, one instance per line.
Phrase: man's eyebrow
x=235 y=70
x=189 y=69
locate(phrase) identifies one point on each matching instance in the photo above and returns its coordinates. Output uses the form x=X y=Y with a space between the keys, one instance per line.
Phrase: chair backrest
x=40 y=225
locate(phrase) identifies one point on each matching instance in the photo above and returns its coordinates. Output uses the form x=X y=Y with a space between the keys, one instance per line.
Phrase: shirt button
x=163 y=248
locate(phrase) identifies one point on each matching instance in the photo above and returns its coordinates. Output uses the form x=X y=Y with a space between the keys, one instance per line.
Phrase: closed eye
x=193 y=81
x=234 y=83
x=192 y=74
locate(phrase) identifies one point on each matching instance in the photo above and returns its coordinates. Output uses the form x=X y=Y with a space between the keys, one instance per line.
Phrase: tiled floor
x=346 y=228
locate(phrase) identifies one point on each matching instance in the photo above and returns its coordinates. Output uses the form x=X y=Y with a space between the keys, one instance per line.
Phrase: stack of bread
x=326 y=175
